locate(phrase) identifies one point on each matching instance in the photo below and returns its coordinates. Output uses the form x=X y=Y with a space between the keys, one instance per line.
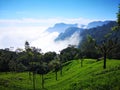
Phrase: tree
x=49 y=56
x=88 y=49
x=7 y=57
x=106 y=47
x=55 y=64
x=60 y=63
x=61 y=71
x=42 y=69
x=34 y=53
x=109 y=43
x=37 y=65
x=12 y=65
x=27 y=47
x=68 y=53
x=30 y=56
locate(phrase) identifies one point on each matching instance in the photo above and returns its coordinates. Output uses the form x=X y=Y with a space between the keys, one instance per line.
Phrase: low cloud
x=46 y=42
x=44 y=22
x=16 y=36
x=14 y=33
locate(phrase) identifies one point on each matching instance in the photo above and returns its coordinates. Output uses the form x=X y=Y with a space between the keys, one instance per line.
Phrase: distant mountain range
x=68 y=33
x=99 y=33
x=60 y=27
x=71 y=30
x=96 y=24
x=97 y=30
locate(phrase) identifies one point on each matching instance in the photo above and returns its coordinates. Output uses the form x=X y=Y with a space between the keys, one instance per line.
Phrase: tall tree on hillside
x=37 y=65
x=35 y=53
x=60 y=63
x=109 y=43
x=30 y=57
x=55 y=64
x=68 y=53
x=42 y=69
x=49 y=56
x=61 y=67
x=106 y=47
x=88 y=48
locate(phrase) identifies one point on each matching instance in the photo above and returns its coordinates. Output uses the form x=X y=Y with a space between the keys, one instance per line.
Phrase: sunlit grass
x=91 y=76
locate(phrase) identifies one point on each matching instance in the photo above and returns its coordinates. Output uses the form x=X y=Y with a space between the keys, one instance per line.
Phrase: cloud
x=48 y=22
x=46 y=42
x=14 y=33
x=16 y=36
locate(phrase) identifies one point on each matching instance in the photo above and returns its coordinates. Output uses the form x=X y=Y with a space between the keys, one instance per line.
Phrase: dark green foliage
x=49 y=56
x=68 y=53
x=5 y=58
x=88 y=49
x=98 y=32
x=55 y=64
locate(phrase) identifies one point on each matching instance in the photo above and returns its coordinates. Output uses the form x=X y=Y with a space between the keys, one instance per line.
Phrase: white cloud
x=14 y=32
x=48 y=22
x=16 y=36
x=46 y=42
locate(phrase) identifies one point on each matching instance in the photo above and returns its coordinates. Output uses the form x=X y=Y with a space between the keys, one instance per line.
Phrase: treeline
x=21 y=60
x=32 y=58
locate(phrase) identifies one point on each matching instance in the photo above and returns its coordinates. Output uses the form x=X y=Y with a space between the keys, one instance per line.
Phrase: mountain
x=96 y=24
x=71 y=30
x=60 y=27
x=68 y=33
x=98 y=33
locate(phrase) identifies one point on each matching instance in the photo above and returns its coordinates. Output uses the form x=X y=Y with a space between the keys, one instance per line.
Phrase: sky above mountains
x=22 y=20
x=91 y=9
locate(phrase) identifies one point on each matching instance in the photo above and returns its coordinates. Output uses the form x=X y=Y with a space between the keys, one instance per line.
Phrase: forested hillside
x=89 y=76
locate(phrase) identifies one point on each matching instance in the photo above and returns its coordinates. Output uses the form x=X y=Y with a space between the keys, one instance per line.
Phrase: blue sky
x=22 y=20
x=91 y=9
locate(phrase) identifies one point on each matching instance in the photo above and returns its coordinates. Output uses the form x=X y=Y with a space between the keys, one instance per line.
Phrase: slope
x=89 y=77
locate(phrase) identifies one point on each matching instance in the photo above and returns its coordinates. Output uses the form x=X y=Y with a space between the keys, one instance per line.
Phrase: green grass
x=91 y=76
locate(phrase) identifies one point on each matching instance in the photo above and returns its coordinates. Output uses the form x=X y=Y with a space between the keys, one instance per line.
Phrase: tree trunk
x=29 y=75
x=56 y=74
x=33 y=81
x=104 y=66
x=61 y=70
x=42 y=80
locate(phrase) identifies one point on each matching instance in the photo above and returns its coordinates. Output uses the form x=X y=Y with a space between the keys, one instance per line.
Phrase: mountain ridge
x=60 y=27
x=96 y=29
x=97 y=23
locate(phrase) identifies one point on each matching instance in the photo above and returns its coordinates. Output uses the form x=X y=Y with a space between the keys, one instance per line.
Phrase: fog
x=14 y=33
x=46 y=42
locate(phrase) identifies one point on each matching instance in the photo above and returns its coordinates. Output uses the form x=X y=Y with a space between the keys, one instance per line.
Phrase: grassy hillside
x=91 y=76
